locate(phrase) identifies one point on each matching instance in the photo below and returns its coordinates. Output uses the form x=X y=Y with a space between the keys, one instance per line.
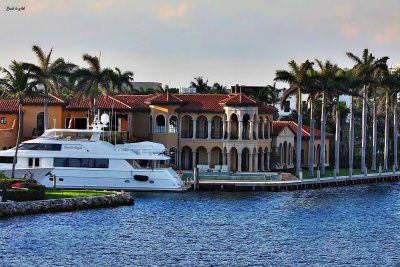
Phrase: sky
x=227 y=41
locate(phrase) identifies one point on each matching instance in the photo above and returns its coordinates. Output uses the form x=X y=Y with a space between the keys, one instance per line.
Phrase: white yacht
x=82 y=160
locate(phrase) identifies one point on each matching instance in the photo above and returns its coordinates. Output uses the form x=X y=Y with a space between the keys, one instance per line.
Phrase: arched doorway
x=234 y=126
x=246 y=127
x=202 y=127
x=216 y=157
x=245 y=160
x=187 y=127
x=234 y=160
x=201 y=156
x=260 y=127
x=186 y=158
x=216 y=127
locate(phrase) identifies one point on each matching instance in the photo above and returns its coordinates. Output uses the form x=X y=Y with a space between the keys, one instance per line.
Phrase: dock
x=276 y=186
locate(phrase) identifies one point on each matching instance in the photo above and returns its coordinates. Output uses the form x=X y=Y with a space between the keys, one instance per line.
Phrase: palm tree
x=200 y=85
x=327 y=82
x=218 y=88
x=48 y=73
x=119 y=79
x=364 y=69
x=93 y=79
x=17 y=84
x=298 y=80
x=391 y=86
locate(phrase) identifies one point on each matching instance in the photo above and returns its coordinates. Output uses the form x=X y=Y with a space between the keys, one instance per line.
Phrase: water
x=357 y=226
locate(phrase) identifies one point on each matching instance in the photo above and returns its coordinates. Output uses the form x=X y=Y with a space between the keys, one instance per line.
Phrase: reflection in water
x=334 y=226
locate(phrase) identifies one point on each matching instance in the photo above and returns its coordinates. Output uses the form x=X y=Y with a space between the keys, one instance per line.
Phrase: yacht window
x=35 y=146
x=81 y=163
x=33 y=160
x=6 y=159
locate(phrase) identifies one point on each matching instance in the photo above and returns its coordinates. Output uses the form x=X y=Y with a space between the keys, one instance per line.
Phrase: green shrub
x=25 y=194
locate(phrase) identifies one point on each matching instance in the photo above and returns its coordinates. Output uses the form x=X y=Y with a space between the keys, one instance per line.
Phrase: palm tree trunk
x=395 y=130
x=386 y=146
x=351 y=136
x=374 y=133
x=323 y=124
x=311 y=142
x=364 y=129
x=337 y=137
x=46 y=109
x=299 y=130
x=20 y=132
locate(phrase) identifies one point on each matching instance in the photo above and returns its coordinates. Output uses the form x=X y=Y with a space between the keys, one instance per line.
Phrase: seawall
x=10 y=209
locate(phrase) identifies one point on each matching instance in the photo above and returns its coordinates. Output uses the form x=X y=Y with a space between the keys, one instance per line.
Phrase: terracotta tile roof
x=240 y=99
x=102 y=102
x=263 y=109
x=163 y=99
x=136 y=102
x=8 y=106
x=305 y=133
x=201 y=102
x=39 y=100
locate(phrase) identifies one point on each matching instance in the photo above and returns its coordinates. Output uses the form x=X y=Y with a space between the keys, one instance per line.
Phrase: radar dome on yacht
x=105 y=118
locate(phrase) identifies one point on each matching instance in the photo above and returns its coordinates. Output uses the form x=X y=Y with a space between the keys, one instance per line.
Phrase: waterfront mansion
x=211 y=130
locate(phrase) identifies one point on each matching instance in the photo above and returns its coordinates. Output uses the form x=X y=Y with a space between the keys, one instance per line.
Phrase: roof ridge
x=59 y=99
x=120 y=101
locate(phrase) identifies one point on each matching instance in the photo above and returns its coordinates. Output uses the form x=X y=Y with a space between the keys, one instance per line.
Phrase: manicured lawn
x=342 y=172
x=52 y=194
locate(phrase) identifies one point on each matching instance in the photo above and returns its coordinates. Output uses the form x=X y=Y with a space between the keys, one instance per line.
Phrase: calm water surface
x=338 y=226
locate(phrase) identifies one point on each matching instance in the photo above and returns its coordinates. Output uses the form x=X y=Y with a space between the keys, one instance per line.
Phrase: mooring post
x=380 y=170
x=366 y=172
x=318 y=175
x=301 y=175
x=195 y=178
x=394 y=169
x=350 y=172
x=334 y=173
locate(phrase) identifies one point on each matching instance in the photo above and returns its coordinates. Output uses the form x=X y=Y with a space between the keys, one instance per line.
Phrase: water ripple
x=355 y=226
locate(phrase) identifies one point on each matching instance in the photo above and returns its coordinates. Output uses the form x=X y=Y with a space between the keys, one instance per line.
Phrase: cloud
x=168 y=12
x=104 y=5
x=349 y=30
x=38 y=6
x=387 y=35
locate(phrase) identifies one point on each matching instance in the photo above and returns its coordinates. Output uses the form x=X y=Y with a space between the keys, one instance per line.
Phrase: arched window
x=173 y=124
x=160 y=124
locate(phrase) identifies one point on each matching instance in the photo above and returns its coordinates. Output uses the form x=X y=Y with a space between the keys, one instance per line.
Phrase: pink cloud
x=349 y=30
x=168 y=12
x=387 y=35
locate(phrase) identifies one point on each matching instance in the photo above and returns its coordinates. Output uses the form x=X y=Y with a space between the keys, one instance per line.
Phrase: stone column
x=251 y=162
x=256 y=155
x=256 y=128
x=268 y=156
x=194 y=160
x=240 y=130
x=223 y=129
x=208 y=129
x=239 y=164
x=209 y=158
x=194 y=129
x=262 y=162
x=229 y=130
x=228 y=161
x=251 y=130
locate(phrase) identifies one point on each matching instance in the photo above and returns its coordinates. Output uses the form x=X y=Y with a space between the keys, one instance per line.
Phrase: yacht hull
x=34 y=173
x=150 y=180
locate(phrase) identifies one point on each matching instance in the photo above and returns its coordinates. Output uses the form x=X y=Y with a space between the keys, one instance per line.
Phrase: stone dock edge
x=11 y=209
